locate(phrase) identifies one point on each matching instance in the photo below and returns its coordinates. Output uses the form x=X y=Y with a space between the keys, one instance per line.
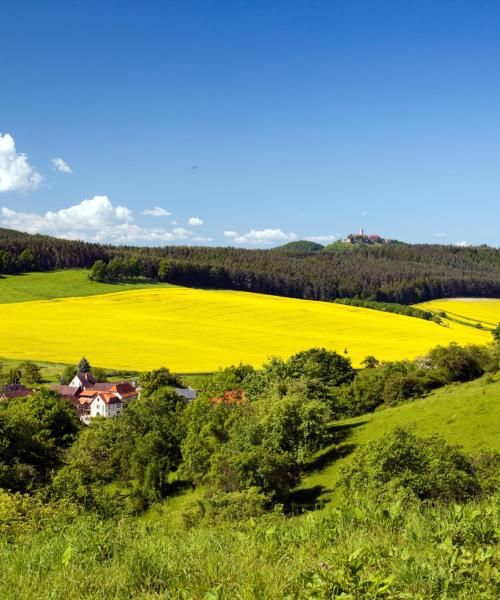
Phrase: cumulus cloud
x=263 y=237
x=58 y=164
x=463 y=244
x=195 y=221
x=15 y=171
x=96 y=213
x=157 y=211
x=230 y=234
x=95 y=219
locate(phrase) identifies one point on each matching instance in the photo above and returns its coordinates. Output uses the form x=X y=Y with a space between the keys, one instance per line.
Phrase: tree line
x=400 y=273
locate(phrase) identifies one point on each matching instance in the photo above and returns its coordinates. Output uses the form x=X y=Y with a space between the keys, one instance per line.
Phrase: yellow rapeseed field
x=192 y=330
x=474 y=310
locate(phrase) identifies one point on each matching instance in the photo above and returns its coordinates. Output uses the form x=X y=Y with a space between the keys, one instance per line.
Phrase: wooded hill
x=403 y=273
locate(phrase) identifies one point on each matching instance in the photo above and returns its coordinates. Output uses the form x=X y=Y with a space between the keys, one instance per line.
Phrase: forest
x=400 y=273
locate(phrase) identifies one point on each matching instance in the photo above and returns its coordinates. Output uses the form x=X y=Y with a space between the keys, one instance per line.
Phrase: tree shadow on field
x=307 y=499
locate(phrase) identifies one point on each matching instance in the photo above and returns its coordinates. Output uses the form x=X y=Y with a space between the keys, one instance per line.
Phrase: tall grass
x=362 y=550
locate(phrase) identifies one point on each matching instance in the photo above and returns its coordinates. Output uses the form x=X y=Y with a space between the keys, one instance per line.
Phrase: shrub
x=427 y=468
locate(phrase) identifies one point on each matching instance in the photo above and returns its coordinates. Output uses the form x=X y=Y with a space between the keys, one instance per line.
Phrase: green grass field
x=464 y=414
x=63 y=284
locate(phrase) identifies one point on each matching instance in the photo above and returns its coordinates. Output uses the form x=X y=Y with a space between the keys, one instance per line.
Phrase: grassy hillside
x=193 y=330
x=465 y=414
x=62 y=284
x=482 y=311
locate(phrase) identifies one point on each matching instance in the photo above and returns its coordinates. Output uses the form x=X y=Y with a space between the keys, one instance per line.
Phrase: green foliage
x=140 y=449
x=396 y=273
x=230 y=378
x=99 y=271
x=98 y=374
x=300 y=247
x=158 y=378
x=84 y=365
x=206 y=429
x=459 y=363
x=362 y=550
x=370 y=362
x=30 y=372
x=68 y=374
x=496 y=334
x=326 y=366
x=34 y=431
x=402 y=463
x=391 y=307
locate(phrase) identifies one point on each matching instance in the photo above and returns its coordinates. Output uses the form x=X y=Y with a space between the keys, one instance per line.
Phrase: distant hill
x=300 y=246
x=403 y=273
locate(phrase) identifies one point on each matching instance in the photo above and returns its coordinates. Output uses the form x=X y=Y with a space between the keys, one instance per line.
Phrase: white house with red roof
x=94 y=399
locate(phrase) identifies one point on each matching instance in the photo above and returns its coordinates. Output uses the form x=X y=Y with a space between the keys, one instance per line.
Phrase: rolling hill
x=465 y=414
x=194 y=330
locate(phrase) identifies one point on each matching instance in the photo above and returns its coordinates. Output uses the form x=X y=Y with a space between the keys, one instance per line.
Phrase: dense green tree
x=14 y=375
x=30 y=372
x=158 y=378
x=99 y=271
x=496 y=334
x=326 y=366
x=370 y=362
x=459 y=363
x=207 y=426
x=67 y=375
x=84 y=366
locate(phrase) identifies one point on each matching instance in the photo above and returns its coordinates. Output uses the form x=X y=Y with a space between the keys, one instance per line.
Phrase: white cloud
x=230 y=234
x=440 y=234
x=15 y=171
x=463 y=244
x=182 y=233
x=58 y=164
x=97 y=220
x=94 y=214
x=157 y=211
x=195 y=221
x=321 y=238
x=263 y=236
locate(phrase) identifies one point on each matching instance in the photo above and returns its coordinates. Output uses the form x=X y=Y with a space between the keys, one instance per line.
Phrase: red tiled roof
x=230 y=397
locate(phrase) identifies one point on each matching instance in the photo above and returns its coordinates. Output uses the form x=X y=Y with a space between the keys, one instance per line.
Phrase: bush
x=227 y=506
x=427 y=468
x=459 y=363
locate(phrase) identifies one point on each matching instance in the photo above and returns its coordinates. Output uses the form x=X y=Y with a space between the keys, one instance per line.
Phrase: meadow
x=195 y=330
x=64 y=284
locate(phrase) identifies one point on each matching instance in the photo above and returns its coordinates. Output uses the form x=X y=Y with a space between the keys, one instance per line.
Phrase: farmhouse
x=91 y=398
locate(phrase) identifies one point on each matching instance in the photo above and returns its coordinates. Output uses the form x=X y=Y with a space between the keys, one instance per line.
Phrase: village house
x=91 y=398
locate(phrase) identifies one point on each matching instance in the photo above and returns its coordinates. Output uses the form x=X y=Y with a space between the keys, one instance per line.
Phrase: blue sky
x=251 y=123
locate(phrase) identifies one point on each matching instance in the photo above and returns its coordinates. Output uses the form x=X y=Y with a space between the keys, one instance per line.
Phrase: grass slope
x=465 y=414
x=482 y=311
x=62 y=284
x=193 y=330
